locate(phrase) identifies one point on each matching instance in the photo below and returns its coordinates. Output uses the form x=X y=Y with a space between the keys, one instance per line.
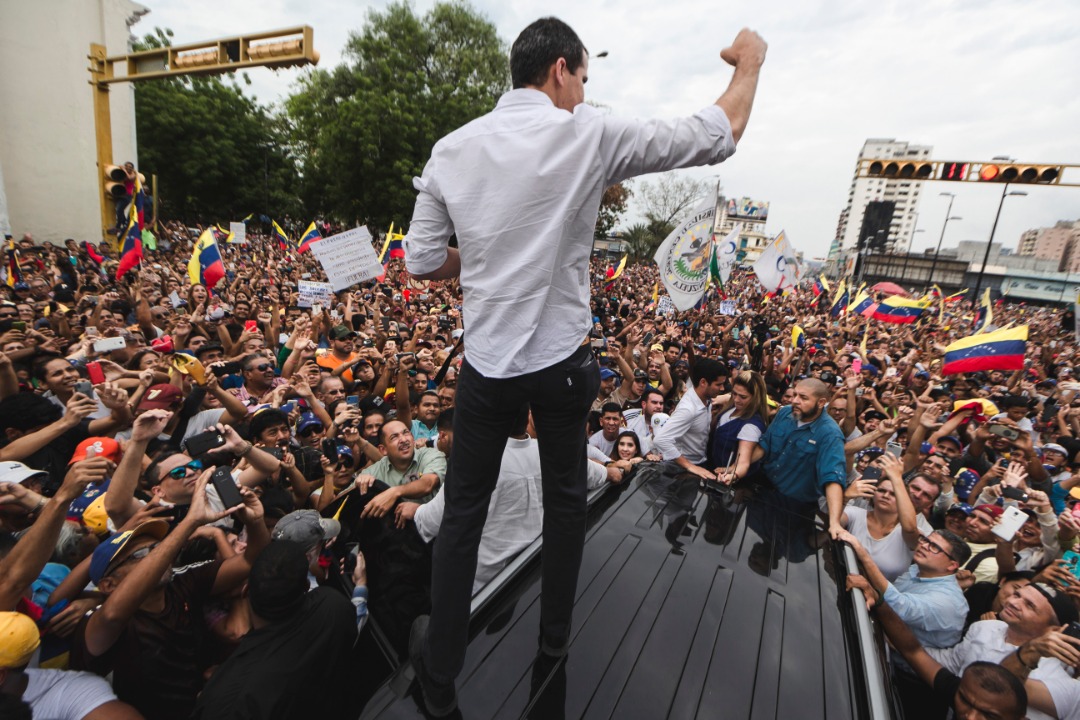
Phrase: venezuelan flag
x=863 y=302
x=840 y=300
x=131 y=254
x=896 y=309
x=614 y=274
x=821 y=285
x=798 y=337
x=311 y=235
x=998 y=350
x=205 y=265
x=956 y=297
x=279 y=235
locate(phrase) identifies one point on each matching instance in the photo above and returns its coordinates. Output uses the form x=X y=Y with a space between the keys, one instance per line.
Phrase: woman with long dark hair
x=740 y=427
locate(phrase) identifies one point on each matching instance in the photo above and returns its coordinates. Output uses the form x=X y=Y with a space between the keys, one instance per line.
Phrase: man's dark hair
x=278 y=581
x=708 y=370
x=265 y=419
x=1011 y=401
x=208 y=347
x=999 y=681
x=26 y=411
x=610 y=407
x=650 y=390
x=37 y=369
x=445 y=422
x=961 y=551
x=539 y=46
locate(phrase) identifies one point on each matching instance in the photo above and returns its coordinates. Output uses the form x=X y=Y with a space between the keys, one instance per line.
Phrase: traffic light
x=902 y=169
x=114 y=181
x=1015 y=173
x=954 y=171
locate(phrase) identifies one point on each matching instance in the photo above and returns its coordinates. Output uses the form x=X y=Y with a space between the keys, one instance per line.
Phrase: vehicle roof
x=691 y=602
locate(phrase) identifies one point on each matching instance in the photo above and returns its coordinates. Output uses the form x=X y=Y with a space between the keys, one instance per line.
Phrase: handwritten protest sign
x=314 y=292
x=237 y=233
x=727 y=307
x=347 y=258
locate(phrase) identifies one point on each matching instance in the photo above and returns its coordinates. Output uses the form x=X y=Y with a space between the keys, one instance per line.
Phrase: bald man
x=803 y=451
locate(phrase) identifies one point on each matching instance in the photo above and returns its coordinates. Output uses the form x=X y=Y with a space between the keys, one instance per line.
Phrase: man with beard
x=803 y=451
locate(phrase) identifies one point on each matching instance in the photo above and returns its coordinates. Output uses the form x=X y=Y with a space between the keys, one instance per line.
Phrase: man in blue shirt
x=803 y=451
x=926 y=597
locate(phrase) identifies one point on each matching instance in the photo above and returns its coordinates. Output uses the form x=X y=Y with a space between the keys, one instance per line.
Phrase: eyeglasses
x=309 y=431
x=933 y=547
x=179 y=473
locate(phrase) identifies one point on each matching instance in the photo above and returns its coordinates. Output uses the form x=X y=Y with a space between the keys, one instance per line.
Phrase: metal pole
x=989 y=243
x=933 y=265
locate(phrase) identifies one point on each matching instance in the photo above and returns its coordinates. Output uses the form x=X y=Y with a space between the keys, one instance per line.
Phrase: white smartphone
x=109 y=344
x=894 y=449
x=1010 y=522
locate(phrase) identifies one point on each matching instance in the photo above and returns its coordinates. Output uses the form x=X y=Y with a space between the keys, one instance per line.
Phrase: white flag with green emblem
x=684 y=257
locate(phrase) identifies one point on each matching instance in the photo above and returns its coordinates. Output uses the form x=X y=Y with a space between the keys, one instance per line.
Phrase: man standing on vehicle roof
x=521 y=188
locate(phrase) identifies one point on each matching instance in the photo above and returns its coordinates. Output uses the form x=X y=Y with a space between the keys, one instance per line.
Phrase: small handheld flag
x=311 y=235
x=279 y=235
x=840 y=300
x=205 y=265
x=798 y=337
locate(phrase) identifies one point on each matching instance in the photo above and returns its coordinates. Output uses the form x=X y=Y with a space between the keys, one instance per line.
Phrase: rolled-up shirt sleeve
x=636 y=147
x=431 y=226
x=675 y=427
x=831 y=467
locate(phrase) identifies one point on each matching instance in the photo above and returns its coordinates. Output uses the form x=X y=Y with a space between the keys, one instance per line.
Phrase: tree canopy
x=218 y=154
x=366 y=128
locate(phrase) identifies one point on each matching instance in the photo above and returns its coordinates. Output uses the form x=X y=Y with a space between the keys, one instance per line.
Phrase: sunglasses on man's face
x=179 y=473
x=261 y=368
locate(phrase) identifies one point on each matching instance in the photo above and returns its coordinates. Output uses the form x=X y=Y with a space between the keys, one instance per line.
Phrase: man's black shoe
x=440 y=699
x=554 y=647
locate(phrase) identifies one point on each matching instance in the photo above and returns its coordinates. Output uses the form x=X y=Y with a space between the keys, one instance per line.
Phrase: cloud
x=972 y=79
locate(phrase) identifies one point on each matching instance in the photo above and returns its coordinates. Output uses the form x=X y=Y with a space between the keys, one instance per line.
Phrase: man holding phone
x=550 y=157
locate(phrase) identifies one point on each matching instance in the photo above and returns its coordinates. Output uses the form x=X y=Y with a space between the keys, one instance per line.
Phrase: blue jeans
x=484 y=411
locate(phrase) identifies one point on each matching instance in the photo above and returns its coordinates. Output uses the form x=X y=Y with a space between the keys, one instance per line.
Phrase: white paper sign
x=239 y=233
x=665 y=306
x=727 y=307
x=348 y=258
x=312 y=293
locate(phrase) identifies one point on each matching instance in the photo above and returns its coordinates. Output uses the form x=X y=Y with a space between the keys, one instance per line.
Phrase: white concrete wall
x=47 y=148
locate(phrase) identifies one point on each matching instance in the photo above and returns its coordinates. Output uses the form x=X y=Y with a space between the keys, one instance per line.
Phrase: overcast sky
x=973 y=79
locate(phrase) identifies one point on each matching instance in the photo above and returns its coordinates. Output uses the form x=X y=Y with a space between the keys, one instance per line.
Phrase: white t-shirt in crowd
x=890 y=553
x=65 y=694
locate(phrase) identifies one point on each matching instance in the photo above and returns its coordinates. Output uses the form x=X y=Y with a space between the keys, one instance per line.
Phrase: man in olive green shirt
x=411 y=472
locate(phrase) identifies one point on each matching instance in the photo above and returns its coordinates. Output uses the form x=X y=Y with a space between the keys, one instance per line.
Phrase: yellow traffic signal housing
x=114 y=181
x=901 y=169
x=1022 y=174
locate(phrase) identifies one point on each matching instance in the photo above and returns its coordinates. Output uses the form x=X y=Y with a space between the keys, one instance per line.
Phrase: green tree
x=218 y=154
x=612 y=206
x=669 y=199
x=366 y=128
x=641 y=242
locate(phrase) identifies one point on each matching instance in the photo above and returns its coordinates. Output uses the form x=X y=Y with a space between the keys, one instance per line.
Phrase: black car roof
x=692 y=602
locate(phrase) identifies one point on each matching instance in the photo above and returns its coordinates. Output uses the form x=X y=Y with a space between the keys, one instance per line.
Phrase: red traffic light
x=989 y=172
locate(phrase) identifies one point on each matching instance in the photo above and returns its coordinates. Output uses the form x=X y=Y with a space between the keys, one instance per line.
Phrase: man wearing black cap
x=342 y=345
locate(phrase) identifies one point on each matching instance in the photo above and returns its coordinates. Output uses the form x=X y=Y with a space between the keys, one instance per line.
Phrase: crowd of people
x=187 y=474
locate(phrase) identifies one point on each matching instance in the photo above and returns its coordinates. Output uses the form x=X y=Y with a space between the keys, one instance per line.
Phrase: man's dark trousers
x=484 y=411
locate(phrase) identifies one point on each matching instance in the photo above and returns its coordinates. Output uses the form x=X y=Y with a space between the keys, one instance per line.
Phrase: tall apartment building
x=905 y=193
x=1027 y=242
x=752 y=214
x=1059 y=244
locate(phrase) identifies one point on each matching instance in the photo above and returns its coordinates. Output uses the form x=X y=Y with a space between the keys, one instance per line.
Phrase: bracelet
x=246 y=450
x=1020 y=658
x=41 y=504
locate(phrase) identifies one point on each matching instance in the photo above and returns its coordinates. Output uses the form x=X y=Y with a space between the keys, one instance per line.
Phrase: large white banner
x=684 y=257
x=347 y=258
x=777 y=268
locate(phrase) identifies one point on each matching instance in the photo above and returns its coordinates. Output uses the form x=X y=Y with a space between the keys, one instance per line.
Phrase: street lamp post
x=986 y=256
x=948 y=217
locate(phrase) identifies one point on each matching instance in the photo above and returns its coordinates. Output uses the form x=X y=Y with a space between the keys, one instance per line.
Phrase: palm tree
x=640 y=241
